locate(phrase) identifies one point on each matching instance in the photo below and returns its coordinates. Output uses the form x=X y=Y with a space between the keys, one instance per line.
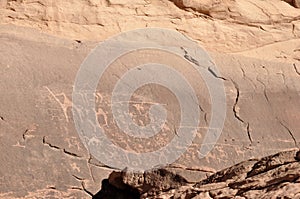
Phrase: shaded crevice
x=215 y=75
x=200 y=107
x=205 y=118
x=289 y=131
x=76 y=188
x=52 y=187
x=204 y=114
x=2 y=118
x=190 y=58
x=50 y=145
x=25 y=134
x=180 y=4
x=60 y=149
x=100 y=166
x=85 y=190
x=71 y=154
x=241 y=191
x=267 y=162
x=293 y=30
x=196 y=62
x=249 y=132
x=234 y=108
x=265 y=90
x=82 y=185
x=77 y=177
x=296 y=69
x=236 y=114
x=190 y=169
x=175 y=131
x=292 y=178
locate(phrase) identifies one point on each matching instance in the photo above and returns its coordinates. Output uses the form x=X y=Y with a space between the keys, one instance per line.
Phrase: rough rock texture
x=38 y=129
x=235 y=26
x=275 y=176
x=256 y=45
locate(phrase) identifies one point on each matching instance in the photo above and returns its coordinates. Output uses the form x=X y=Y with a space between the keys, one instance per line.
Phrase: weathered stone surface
x=150 y=182
x=254 y=43
x=277 y=181
x=241 y=26
x=38 y=129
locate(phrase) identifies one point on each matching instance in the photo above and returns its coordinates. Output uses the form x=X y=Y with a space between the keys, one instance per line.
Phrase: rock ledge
x=275 y=176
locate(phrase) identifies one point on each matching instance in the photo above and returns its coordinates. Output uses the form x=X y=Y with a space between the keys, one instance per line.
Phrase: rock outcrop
x=275 y=176
x=246 y=27
x=254 y=43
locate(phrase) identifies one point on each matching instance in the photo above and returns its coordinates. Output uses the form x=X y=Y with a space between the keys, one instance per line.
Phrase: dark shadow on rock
x=275 y=174
x=132 y=185
x=109 y=191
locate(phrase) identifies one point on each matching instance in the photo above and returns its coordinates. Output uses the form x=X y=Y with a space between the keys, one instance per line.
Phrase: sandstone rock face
x=37 y=124
x=240 y=26
x=275 y=176
x=255 y=45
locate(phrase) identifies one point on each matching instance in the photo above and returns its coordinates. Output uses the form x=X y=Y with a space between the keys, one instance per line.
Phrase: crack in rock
x=191 y=169
x=71 y=154
x=249 y=132
x=296 y=69
x=215 y=75
x=182 y=5
x=190 y=58
x=100 y=166
x=272 y=162
x=289 y=131
x=236 y=115
x=196 y=62
x=235 y=111
x=204 y=114
x=50 y=145
x=265 y=90
x=24 y=134
x=51 y=187
x=60 y=149
x=82 y=185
